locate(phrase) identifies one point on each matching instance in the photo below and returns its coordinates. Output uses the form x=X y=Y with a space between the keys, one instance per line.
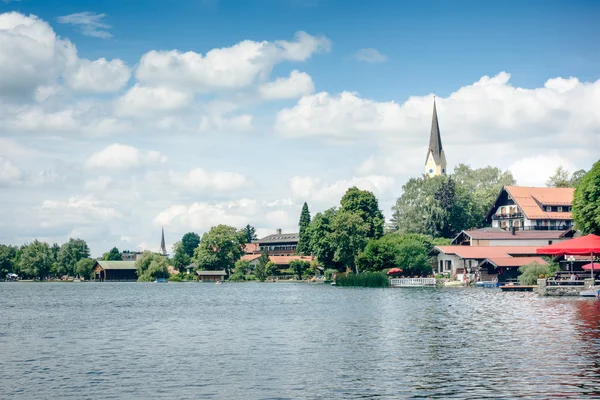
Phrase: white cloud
x=77 y=210
x=201 y=216
x=126 y=239
x=30 y=54
x=225 y=68
x=199 y=180
x=89 y=24
x=316 y=190
x=121 y=157
x=98 y=76
x=294 y=86
x=9 y=172
x=140 y=100
x=370 y=55
x=535 y=170
x=217 y=123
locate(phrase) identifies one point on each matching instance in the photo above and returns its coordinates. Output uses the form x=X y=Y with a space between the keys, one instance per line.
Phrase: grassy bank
x=366 y=279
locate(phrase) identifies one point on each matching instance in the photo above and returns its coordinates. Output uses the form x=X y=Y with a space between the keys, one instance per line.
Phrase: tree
x=112 y=255
x=576 y=177
x=299 y=266
x=365 y=205
x=413 y=257
x=180 y=258
x=560 y=178
x=395 y=250
x=263 y=272
x=220 y=248
x=36 y=259
x=84 y=268
x=152 y=266
x=8 y=256
x=349 y=237
x=249 y=233
x=242 y=267
x=586 y=202
x=69 y=254
x=189 y=242
x=531 y=272
x=320 y=232
x=304 y=236
x=379 y=254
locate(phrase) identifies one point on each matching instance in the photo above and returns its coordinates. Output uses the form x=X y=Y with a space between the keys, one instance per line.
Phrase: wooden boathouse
x=115 y=271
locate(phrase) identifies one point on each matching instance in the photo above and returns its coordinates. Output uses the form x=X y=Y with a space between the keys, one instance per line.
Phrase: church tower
x=435 y=162
x=163 y=247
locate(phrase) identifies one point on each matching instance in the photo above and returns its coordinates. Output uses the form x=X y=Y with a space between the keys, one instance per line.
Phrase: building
x=127 y=255
x=211 y=276
x=458 y=261
x=114 y=271
x=532 y=208
x=163 y=247
x=279 y=244
x=513 y=237
x=435 y=161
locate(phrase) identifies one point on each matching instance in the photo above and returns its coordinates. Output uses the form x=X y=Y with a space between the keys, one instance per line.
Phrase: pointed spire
x=163 y=247
x=435 y=139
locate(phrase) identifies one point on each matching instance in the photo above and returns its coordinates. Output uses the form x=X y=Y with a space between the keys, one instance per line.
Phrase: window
x=549 y=241
x=548 y=208
x=560 y=209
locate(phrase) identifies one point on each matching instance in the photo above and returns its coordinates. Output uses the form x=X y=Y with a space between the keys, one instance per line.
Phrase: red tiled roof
x=513 y=261
x=499 y=233
x=482 y=252
x=250 y=257
x=529 y=200
x=251 y=248
x=285 y=260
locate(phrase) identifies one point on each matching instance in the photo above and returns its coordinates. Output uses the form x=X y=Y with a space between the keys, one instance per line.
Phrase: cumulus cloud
x=121 y=157
x=199 y=179
x=535 y=170
x=141 y=100
x=89 y=23
x=232 y=67
x=76 y=210
x=316 y=190
x=9 y=172
x=294 y=86
x=370 y=55
x=98 y=76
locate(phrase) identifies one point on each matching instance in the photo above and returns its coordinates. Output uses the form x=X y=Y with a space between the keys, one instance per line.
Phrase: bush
x=175 y=278
x=237 y=277
x=366 y=279
x=531 y=272
x=329 y=274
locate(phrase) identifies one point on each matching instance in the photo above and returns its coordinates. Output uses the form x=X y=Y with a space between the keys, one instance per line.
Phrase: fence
x=412 y=282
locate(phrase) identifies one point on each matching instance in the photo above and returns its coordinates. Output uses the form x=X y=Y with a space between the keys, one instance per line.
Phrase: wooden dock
x=517 y=288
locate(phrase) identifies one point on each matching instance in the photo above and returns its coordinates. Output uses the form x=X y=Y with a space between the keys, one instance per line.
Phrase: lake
x=292 y=341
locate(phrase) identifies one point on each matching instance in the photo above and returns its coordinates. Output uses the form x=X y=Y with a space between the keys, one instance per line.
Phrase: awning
x=585 y=245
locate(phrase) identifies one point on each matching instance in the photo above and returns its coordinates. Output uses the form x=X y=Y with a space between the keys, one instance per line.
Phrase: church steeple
x=163 y=247
x=435 y=161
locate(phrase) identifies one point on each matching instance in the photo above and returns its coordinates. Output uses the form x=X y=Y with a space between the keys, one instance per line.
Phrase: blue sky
x=244 y=137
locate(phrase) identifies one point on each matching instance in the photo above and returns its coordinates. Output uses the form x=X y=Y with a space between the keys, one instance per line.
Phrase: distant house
x=282 y=262
x=281 y=244
x=504 y=268
x=189 y=269
x=513 y=237
x=115 y=270
x=459 y=261
x=211 y=276
x=131 y=255
x=532 y=208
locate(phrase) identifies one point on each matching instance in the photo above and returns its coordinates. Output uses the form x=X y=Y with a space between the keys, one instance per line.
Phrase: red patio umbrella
x=581 y=246
x=394 y=271
x=589 y=266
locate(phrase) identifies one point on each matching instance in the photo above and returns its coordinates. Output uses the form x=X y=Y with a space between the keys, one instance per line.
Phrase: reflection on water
x=296 y=341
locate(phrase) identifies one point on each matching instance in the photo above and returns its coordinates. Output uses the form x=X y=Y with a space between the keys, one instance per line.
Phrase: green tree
x=531 y=272
x=151 y=266
x=413 y=257
x=263 y=272
x=69 y=254
x=395 y=250
x=379 y=254
x=112 y=255
x=36 y=259
x=586 y=202
x=249 y=233
x=220 y=248
x=180 y=258
x=242 y=267
x=8 y=256
x=350 y=236
x=576 y=177
x=299 y=267
x=321 y=241
x=189 y=242
x=364 y=204
x=304 y=239
x=84 y=267
x=560 y=178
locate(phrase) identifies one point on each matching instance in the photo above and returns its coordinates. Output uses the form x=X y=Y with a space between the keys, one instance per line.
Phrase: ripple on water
x=280 y=341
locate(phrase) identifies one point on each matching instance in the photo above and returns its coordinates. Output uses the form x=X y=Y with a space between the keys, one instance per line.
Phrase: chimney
x=279 y=231
x=513 y=230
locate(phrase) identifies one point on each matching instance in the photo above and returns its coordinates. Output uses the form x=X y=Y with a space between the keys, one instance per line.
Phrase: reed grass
x=365 y=279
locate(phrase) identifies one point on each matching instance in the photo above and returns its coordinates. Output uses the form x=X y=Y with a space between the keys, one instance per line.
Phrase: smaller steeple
x=163 y=247
x=435 y=161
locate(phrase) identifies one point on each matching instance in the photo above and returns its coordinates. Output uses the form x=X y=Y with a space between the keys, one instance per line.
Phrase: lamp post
x=571 y=259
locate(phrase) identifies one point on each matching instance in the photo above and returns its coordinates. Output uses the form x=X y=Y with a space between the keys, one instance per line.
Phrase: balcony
x=540 y=228
x=507 y=216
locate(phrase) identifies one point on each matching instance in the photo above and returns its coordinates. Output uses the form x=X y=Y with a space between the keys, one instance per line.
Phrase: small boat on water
x=332 y=283
x=487 y=284
x=161 y=280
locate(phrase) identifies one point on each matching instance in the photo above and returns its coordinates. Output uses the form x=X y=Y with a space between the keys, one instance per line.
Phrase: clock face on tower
x=443 y=171
x=430 y=171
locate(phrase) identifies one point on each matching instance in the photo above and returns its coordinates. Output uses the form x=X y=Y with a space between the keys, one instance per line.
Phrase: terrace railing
x=412 y=282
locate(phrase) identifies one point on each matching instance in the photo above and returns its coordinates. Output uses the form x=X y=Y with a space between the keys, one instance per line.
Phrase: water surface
x=292 y=341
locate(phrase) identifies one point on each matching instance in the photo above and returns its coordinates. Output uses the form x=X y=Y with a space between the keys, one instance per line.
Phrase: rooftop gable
x=530 y=201
x=280 y=238
x=116 y=264
x=483 y=252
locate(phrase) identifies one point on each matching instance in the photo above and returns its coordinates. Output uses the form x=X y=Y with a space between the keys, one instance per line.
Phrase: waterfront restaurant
x=115 y=271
